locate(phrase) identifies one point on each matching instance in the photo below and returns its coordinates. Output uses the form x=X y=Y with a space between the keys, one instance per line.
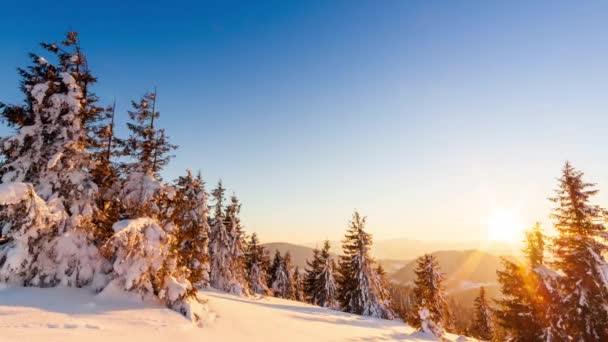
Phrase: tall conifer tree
x=190 y=216
x=148 y=151
x=310 y=278
x=325 y=286
x=50 y=149
x=357 y=291
x=298 y=285
x=254 y=263
x=483 y=327
x=431 y=310
x=226 y=246
x=579 y=254
x=528 y=309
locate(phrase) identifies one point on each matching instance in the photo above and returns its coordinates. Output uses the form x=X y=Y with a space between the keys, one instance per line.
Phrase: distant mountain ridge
x=463 y=269
x=299 y=255
x=408 y=249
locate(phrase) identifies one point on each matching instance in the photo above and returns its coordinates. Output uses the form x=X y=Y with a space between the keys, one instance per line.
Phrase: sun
x=504 y=225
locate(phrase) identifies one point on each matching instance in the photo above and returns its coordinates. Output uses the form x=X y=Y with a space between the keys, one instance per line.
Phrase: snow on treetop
x=38 y=91
x=13 y=193
x=134 y=224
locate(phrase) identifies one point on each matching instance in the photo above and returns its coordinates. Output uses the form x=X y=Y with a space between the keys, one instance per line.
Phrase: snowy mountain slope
x=69 y=315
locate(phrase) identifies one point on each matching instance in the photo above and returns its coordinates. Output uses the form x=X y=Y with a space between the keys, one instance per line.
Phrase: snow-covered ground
x=70 y=315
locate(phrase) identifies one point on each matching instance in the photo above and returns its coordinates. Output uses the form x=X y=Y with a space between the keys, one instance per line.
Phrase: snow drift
x=76 y=315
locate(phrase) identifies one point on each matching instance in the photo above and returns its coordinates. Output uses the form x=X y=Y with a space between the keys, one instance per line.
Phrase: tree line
x=83 y=207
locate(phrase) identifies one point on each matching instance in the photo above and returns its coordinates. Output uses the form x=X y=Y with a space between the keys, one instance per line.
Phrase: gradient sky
x=425 y=115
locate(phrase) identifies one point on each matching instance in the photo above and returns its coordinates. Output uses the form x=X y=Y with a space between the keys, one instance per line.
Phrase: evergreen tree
x=282 y=285
x=254 y=262
x=237 y=244
x=534 y=248
x=219 y=243
x=518 y=312
x=50 y=150
x=226 y=246
x=325 y=287
x=277 y=260
x=148 y=151
x=106 y=174
x=382 y=287
x=483 y=327
x=358 y=292
x=298 y=285
x=431 y=309
x=267 y=265
x=579 y=254
x=312 y=270
x=528 y=309
x=190 y=216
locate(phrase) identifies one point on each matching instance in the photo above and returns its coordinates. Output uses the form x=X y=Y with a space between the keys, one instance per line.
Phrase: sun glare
x=504 y=225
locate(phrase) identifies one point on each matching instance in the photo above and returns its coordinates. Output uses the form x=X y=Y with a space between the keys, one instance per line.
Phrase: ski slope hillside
x=76 y=315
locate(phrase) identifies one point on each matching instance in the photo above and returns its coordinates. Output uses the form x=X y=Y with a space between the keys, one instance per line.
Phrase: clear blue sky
x=425 y=115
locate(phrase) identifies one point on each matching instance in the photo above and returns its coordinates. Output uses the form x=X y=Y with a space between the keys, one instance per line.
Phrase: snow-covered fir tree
x=529 y=307
x=382 y=287
x=237 y=238
x=106 y=148
x=518 y=312
x=579 y=251
x=298 y=285
x=277 y=260
x=357 y=290
x=483 y=327
x=225 y=246
x=148 y=151
x=49 y=149
x=146 y=262
x=310 y=277
x=190 y=216
x=282 y=279
x=430 y=309
x=254 y=264
x=323 y=289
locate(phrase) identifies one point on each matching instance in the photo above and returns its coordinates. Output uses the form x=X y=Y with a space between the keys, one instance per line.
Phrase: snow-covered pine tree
x=382 y=287
x=310 y=278
x=483 y=327
x=106 y=174
x=254 y=264
x=529 y=307
x=267 y=265
x=148 y=151
x=190 y=216
x=548 y=297
x=298 y=285
x=277 y=260
x=282 y=285
x=49 y=150
x=430 y=310
x=237 y=247
x=145 y=262
x=146 y=245
x=578 y=252
x=357 y=292
x=226 y=246
x=325 y=288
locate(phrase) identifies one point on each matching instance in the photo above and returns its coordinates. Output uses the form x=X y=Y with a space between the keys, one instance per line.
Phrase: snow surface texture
x=13 y=193
x=76 y=315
